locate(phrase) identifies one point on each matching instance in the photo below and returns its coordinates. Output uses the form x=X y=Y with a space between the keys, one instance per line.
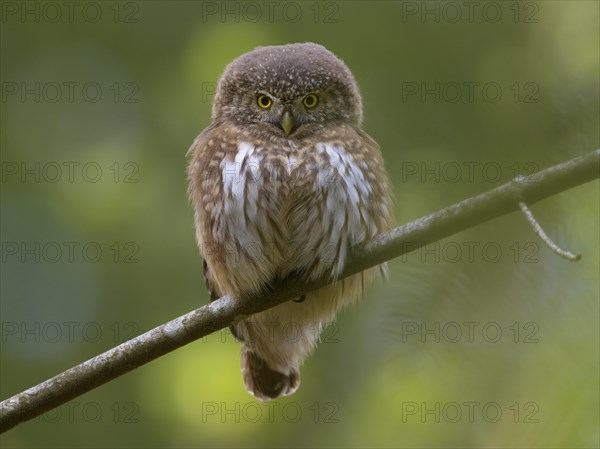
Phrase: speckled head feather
x=289 y=72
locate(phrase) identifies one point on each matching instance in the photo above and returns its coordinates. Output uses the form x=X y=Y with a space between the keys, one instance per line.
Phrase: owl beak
x=287 y=123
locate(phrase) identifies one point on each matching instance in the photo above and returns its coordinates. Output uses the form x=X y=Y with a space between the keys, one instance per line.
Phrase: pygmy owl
x=284 y=181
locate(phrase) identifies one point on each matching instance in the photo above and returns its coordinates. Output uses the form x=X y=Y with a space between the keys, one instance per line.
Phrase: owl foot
x=301 y=299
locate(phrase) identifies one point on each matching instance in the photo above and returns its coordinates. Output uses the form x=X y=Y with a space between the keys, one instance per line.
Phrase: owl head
x=284 y=88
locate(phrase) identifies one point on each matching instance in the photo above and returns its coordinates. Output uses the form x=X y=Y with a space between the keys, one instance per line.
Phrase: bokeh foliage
x=370 y=369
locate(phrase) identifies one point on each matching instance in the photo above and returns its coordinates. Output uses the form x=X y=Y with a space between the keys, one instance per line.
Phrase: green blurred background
x=400 y=370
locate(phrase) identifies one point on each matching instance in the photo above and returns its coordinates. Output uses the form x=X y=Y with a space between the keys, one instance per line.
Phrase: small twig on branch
x=547 y=240
x=228 y=310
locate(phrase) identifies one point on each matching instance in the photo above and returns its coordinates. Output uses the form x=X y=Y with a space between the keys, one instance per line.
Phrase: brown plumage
x=285 y=181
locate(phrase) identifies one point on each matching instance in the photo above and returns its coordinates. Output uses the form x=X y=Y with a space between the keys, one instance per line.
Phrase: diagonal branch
x=228 y=310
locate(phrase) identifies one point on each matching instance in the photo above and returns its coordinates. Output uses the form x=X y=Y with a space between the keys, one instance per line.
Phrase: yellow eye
x=264 y=101
x=310 y=101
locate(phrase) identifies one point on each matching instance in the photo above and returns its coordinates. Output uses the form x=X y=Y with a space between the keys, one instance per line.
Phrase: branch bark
x=228 y=310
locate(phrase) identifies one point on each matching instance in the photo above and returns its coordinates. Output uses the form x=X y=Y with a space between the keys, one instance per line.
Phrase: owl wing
x=205 y=192
x=380 y=208
x=200 y=182
x=376 y=209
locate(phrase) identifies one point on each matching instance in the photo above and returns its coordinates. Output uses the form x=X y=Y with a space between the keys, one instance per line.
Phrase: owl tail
x=264 y=382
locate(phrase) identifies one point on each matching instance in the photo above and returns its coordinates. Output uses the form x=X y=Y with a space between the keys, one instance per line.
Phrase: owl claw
x=301 y=299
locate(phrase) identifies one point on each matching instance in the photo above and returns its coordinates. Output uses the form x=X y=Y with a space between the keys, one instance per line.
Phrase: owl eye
x=310 y=101
x=264 y=101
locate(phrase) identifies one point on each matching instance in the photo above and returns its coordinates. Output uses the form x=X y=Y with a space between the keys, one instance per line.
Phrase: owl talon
x=299 y=300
